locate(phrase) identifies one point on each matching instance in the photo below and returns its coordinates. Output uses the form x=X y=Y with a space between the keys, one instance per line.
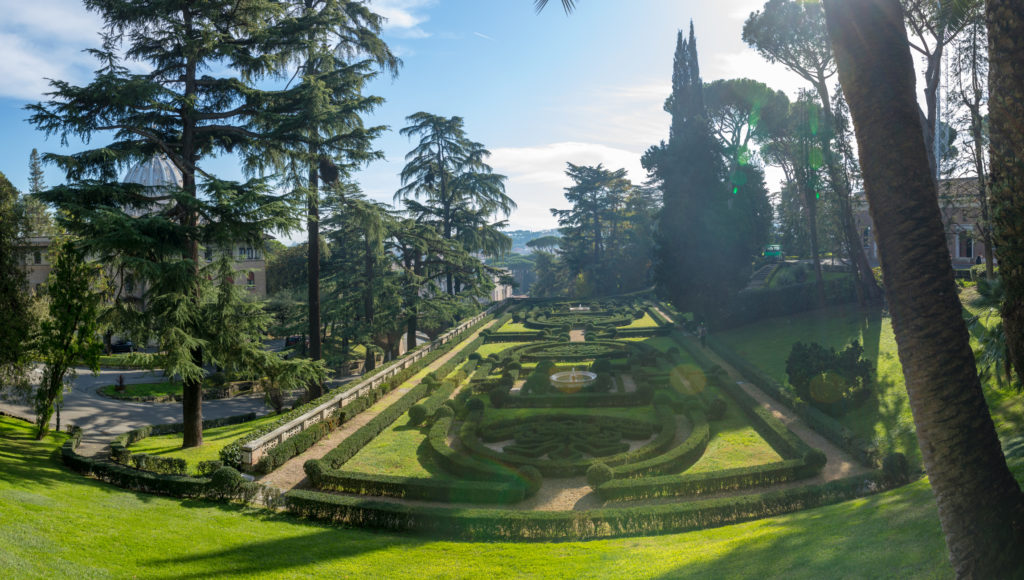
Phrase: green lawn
x=54 y=523
x=734 y=443
x=163 y=389
x=515 y=327
x=399 y=450
x=213 y=441
x=498 y=347
x=645 y=322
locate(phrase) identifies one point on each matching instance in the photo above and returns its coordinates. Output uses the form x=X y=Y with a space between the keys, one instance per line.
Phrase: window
x=966 y=249
x=241 y=252
x=208 y=254
x=37 y=257
x=250 y=280
x=249 y=253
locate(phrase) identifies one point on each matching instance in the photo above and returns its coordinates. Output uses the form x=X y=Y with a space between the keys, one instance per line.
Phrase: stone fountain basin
x=572 y=381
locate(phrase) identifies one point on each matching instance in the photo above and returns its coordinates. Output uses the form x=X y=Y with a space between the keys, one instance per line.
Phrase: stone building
x=157 y=173
x=961 y=216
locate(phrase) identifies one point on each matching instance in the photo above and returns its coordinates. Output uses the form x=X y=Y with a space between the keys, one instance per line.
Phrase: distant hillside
x=521 y=237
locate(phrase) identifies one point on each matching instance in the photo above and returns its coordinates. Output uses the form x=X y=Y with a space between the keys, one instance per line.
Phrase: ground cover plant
x=138 y=390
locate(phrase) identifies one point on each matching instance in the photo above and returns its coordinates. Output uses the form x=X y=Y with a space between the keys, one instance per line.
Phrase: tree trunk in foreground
x=981 y=507
x=1005 y=20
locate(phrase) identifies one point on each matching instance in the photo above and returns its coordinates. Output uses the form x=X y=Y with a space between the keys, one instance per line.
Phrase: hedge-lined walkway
x=840 y=463
x=292 y=475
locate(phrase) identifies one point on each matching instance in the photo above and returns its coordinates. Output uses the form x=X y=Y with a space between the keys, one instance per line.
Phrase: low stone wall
x=254 y=450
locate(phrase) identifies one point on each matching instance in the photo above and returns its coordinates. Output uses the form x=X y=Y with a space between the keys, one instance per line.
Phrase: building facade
x=157 y=173
x=961 y=218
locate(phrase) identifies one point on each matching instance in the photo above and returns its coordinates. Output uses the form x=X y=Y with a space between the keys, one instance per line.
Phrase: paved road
x=101 y=418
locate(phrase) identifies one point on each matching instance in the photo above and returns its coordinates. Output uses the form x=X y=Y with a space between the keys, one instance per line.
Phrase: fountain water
x=572 y=381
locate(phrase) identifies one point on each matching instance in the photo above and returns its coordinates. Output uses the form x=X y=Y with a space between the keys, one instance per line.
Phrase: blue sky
x=537 y=90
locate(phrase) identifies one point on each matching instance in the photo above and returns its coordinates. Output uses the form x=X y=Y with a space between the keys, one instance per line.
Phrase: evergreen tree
x=36 y=183
x=180 y=109
x=75 y=291
x=317 y=130
x=694 y=221
x=15 y=302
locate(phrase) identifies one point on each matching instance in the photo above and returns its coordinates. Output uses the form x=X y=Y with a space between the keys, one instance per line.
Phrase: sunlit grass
x=645 y=322
x=398 y=450
x=54 y=523
x=213 y=441
x=734 y=443
x=514 y=327
x=161 y=389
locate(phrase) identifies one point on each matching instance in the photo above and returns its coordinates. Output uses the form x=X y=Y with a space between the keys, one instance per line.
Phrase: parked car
x=293 y=340
x=124 y=347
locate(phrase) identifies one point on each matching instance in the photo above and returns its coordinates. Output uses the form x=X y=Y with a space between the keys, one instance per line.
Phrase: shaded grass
x=213 y=441
x=54 y=523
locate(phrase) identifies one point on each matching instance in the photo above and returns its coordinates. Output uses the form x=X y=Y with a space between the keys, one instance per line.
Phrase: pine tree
x=14 y=296
x=36 y=183
x=180 y=109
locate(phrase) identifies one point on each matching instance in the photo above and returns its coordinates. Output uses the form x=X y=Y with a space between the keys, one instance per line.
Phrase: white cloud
x=747 y=63
x=537 y=176
x=403 y=17
x=627 y=117
x=482 y=35
x=44 y=39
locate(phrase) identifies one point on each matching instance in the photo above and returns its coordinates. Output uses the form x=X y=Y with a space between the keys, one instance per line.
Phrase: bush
x=815 y=460
x=598 y=474
x=896 y=469
x=206 y=468
x=475 y=404
x=832 y=381
x=716 y=409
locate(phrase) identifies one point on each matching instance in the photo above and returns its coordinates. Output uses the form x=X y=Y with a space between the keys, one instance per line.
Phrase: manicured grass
x=498 y=347
x=399 y=450
x=164 y=389
x=884 y=419
x=645 y=322
x=733 y=443
x=515 y=327
x=213 y=441
x=54 y=523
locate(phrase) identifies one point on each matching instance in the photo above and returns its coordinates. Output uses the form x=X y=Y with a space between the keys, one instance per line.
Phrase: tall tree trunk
x=410 y=332
x=981 y=507
x=1005 y=20
x=191 y=389
x=314 y=389
x=812 y=222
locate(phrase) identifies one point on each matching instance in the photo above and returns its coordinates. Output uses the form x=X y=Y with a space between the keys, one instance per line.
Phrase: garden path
x=291 y=475
x=840 y=463
x=577 y=336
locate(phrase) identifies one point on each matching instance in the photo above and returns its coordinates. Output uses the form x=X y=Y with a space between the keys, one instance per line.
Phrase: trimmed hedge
x=679 y=458
x=537 y=526
x=231 y=454
x=297 y=444
x=705 y=483
x=470 y=436
x=825 y=425
x=224 y=483
x=119 y=452
x=419 y=488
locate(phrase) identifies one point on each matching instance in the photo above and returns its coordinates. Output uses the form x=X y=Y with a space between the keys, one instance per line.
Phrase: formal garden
x=534 y=421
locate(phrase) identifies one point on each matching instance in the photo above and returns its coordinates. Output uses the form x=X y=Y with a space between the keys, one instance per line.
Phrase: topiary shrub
x=716 y=409
x=207 y=468
x=832 y=381
x=475 y=356
x=498 y=397
x=896 y=469
x=515 y=365
x=475 y=404
x=598 y=474
x=417 y=414
x=815 y=459
x=533 y=478
x=445 y=411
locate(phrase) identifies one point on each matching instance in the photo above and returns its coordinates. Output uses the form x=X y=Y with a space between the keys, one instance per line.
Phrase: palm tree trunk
x=1005 y=21
x=981 y=507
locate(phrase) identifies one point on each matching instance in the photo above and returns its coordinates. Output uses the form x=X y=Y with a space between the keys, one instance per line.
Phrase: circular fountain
x=572 y=381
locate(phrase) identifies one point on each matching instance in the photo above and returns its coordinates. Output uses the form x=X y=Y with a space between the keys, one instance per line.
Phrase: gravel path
x=291 y=475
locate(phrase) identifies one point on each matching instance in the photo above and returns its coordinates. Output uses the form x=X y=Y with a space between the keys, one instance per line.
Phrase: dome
x=157 y=171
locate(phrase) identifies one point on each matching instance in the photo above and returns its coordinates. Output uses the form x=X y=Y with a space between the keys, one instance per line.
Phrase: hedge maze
x=482 y=445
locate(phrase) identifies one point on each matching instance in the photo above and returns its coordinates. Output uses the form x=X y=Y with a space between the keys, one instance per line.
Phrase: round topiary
x=417 y=414
x=225 y=482
x=815 y=459
x=475 y=404
x=896 y=468
x=444 y=411
x=598 y=474
x=514 y=366
x=474 y=356
x=533 y=478
x=498 y=397
x=716 y=409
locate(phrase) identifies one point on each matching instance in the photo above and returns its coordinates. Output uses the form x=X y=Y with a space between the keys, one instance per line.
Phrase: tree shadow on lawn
x=894 y=534
x=322 y=543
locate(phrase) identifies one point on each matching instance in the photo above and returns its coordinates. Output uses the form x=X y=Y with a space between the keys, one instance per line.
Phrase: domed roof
x=157 y=171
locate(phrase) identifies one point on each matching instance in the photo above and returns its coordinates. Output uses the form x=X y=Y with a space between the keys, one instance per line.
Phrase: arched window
x=250 y=280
